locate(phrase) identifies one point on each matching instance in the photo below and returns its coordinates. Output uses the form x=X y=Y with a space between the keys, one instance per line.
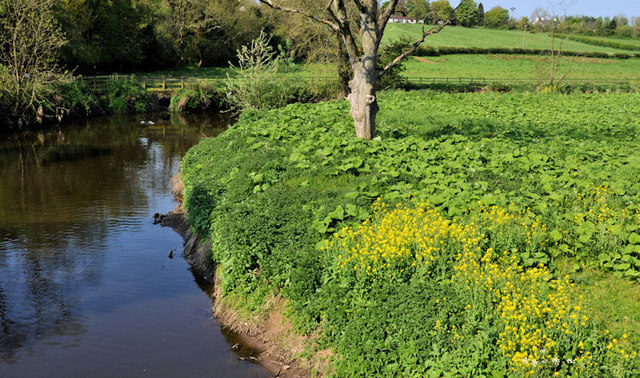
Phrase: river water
x=87 y=287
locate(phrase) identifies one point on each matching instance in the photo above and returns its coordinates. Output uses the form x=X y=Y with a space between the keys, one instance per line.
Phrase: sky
x=629 y=8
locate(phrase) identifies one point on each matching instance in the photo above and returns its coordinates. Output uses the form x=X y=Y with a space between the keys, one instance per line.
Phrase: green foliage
x=441 y=10
x=496 y=17
x=198 y=98
x=75 y=97
x=126 y=95
x=392 y=78
x=30 y=40
x=258 y=82
x=564 y=166
x=467 y=13
x=605 y=42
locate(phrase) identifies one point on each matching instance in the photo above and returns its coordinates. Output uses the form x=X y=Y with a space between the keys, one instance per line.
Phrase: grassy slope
x=457 y=36
x=514 y=66
x=279 y=182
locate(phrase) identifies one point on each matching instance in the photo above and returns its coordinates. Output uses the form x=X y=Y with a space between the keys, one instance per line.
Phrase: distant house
x=403 y=20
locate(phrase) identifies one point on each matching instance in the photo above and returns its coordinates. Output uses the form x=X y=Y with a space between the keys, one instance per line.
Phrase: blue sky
x=629 y=8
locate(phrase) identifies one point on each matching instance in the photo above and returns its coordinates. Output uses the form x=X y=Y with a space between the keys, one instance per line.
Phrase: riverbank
x=517 y=185
x=279 y=347
x=76 y=98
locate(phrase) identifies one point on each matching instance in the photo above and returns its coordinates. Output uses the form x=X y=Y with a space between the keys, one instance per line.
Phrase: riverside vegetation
x=451 y=244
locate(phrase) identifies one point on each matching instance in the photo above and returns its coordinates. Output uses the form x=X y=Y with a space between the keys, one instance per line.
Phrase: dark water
x=86 y=284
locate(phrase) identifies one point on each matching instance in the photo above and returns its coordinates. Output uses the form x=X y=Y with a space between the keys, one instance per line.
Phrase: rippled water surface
x=87 y=287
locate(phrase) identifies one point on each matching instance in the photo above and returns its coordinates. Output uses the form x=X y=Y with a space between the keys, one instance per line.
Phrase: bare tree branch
x=345 y=29
x=385 y=16
x=412 y=49
x=414 y=46
x=361 y=6
x=270 y=4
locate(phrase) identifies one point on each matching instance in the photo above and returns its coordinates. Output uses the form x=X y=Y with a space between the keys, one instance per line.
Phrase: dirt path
x=424 y=60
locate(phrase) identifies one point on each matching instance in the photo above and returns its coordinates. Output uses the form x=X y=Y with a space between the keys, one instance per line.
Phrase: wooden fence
x=170 y=84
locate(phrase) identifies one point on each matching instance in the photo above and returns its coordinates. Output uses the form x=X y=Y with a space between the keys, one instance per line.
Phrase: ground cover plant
x=454 y=243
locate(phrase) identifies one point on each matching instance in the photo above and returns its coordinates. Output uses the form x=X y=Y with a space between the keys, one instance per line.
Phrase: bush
x=199 y=97
x=75 y=97
x=444 y=50
x=260 y=84
x=125 y=95
x=393 y=78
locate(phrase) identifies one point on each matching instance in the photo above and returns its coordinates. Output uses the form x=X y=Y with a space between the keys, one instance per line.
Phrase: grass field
x=520 y=67
x=496 y=67
x=457 y=36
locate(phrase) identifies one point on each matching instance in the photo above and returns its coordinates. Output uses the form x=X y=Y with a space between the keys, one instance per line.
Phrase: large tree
x=467 y=14
x=497 y=17
x=361 y=44
x=29 y=42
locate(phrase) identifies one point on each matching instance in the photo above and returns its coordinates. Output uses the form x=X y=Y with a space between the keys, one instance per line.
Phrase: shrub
x=126 y=95
x=75 y=97
x=260 y=84
x=198 y=97
x=393 y=78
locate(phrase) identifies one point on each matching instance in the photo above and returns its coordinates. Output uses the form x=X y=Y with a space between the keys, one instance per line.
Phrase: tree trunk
x=364 y=104
x=344 y=69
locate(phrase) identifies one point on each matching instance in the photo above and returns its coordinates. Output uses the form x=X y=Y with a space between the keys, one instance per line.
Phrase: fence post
x=164 y=83
x=182 y=82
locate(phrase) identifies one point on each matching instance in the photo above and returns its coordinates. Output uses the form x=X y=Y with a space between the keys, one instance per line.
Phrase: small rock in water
x=171 y=254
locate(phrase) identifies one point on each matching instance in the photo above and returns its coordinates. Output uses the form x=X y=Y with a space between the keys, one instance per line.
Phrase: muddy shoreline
x=270 y=339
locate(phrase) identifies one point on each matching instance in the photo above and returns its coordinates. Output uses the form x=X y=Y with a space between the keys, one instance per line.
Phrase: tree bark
x=364 y=104
x=344 y=69
x=363 y=100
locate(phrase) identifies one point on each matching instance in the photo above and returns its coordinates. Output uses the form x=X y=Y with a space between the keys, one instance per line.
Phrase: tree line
x=104 y=36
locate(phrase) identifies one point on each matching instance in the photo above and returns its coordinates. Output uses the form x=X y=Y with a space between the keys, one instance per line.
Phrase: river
x=87 y=285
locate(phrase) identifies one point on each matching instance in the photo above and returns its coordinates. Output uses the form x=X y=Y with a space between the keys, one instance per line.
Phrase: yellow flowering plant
x=482 y=289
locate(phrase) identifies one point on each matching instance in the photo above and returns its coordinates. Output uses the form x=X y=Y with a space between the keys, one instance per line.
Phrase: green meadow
x=457 y=36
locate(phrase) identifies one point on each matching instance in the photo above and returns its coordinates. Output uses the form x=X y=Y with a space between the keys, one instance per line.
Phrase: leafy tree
x=103 y=35
x=418 y=9
x=497 y=17
x=611 y=26
x=480 y=14
x=441 y=10
x=30 y=39
x=467 y=14
x=362 y=44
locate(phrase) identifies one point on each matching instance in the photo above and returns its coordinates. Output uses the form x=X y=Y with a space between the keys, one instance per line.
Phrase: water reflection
x=82 y=270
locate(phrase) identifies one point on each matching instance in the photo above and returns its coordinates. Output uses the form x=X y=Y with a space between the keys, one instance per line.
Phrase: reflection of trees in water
x=62 y=194
x=37 y=301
